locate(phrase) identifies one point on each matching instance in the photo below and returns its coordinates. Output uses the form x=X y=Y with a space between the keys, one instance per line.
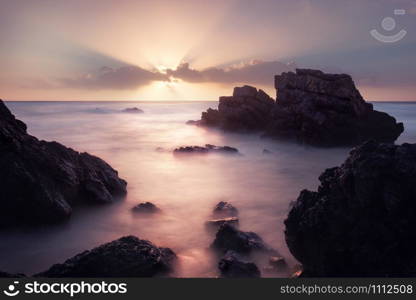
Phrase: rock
x=232 y=266
x=278 y=263
x=361 y=220
x=265 y=151
x=327 y=110
x=146 y=207
x=224 y=210
x=40 y=181
x=207 y=149
x=134 y=110
x=9 y=275
x=248 y=109
x=312 y=107
x=125 y=257
x=216 y=223
x=230 y=238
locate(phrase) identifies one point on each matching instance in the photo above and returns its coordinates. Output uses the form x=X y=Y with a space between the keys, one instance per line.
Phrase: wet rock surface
x=41 y=181
x=233 y=265
x=125 y=257
x=361 y=221
x=146 y=208
x=311 y=107
x=206 y=149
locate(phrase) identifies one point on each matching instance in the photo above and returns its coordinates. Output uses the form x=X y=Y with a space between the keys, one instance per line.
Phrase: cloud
x=123 y=78
x=253 y=72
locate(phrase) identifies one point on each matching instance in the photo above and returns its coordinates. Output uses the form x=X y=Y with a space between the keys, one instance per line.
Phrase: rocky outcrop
x=146 y=208
x=125 y=257
x=41 y=181
x=230 y=238
x=216 y=223
x=361 y=220
x=233 y=265
x=204 y=150
x=248 y=109
x=312 y=107
x=133 y=110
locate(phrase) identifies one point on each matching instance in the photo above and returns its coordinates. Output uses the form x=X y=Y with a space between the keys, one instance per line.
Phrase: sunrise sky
x=199 y=49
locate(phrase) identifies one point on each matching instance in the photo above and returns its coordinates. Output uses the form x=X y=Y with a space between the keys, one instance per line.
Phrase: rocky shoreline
x=311 y=108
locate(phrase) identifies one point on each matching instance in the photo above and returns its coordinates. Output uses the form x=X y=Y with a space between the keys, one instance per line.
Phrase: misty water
x=186 y=188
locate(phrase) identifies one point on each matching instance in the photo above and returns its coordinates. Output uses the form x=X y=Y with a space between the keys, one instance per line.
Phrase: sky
x=199 y=49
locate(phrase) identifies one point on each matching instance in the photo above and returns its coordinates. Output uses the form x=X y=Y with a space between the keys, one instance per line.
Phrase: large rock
x=311 y=107
x=125 y=257
x=41 y=181
x=230 y=238
x=361 y=221
x=247 y=110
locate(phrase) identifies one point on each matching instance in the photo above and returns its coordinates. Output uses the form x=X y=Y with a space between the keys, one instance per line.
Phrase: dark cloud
x=254 y=72
x=131 y=77
x=123 y=78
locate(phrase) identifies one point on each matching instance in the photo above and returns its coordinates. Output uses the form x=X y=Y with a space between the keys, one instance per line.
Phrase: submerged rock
x=361 y=220
x=216 y=223
x=312 y=107
x=230 y=238
x=207 y=149
x=125 y=257
x=134 y=110
x=41 y=181
x=233 y=266
x=224 y=209
x=146 y=207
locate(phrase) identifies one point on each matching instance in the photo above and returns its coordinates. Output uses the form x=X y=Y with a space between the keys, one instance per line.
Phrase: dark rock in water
x=125 y=257
x=215 y=223
x=134 y=110
x=247 y=110
x=233 y=266
x=41 y=181
x=265 y=151
x=311 y=107
x=224 y=210
x=146 y=207
x=327 y=110
x=207 y=149
x=9 y=275
x=361 y=220
x=230 y=238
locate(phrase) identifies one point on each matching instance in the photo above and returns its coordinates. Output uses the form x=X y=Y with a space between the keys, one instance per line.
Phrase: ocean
x=261 y=186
